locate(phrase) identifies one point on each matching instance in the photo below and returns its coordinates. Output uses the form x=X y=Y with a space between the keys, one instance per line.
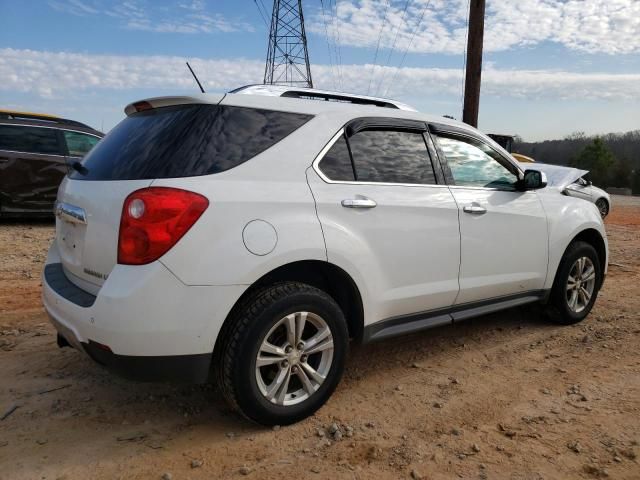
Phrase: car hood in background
x=557 y=175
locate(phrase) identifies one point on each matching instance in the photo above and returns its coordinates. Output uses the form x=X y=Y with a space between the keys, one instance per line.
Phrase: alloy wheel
x=294 y=358
x=580 y=284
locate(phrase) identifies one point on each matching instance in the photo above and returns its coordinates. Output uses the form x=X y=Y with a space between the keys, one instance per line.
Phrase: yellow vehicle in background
x=522 y=158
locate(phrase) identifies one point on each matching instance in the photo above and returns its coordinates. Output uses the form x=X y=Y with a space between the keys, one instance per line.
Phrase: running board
x=405 y=324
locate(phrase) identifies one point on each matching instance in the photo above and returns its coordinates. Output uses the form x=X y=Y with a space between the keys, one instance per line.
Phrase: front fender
x=567 y=217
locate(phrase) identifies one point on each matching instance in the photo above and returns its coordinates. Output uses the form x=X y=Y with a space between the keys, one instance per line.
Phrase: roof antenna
x=194 y=76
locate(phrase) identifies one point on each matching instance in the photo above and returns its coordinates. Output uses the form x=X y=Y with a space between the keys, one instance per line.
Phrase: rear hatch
x=87 y=224
x=157 y=140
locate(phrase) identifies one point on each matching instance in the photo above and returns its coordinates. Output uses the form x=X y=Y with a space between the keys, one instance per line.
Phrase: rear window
x=19 y=138
x=186 y=141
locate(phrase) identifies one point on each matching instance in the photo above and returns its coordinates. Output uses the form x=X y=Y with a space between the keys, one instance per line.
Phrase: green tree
x=621 y=174
x=598 y=159
x=635 y=182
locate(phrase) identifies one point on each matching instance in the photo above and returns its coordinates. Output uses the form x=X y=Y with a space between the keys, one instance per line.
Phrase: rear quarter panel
x=271 y=187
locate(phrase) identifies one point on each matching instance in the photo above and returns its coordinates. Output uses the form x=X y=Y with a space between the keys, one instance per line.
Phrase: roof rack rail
x=40 y=117
x=316 y=94
x=332 y=97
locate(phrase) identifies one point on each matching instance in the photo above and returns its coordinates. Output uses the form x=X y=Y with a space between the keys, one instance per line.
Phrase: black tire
x=603 y=207
x=243 y=335
x=558 y=308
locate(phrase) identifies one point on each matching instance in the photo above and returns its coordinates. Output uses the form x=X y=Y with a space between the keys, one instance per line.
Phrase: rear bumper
x=174 y=368
x=143 y=323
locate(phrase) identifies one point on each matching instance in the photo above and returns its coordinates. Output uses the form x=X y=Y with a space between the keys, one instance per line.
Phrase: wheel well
x=593 y=238
x=325 y=276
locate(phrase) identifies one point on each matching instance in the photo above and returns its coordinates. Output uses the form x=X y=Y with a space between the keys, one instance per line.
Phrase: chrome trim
x=492 y=189
x=330 y=144
x=474 y=209
x=362 y=202
x=70 y=213
x=58 y=127
x=34 y=153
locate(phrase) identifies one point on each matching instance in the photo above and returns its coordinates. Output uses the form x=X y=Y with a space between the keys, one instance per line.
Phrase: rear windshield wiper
x=78 y=167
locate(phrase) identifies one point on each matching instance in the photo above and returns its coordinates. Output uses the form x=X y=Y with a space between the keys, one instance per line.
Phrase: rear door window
x=22 y=138
x=79 y=144
x=185 y=141
x=390 y=156
x=336 y=164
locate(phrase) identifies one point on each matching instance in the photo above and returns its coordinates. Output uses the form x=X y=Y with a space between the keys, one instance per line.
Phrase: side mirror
x=533 y=180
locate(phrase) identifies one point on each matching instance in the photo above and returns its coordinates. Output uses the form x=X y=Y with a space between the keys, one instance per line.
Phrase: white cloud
x=187 y=17
x=592 y=26
x=63 y=75
x=75 y=7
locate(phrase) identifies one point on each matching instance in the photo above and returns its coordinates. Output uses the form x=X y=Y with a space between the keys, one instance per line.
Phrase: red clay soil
x=508 y=395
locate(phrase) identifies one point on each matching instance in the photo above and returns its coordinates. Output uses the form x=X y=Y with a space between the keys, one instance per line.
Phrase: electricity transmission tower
x=287 y=57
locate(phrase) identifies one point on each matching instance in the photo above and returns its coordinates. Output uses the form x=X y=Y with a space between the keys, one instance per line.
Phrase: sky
x=550 y=67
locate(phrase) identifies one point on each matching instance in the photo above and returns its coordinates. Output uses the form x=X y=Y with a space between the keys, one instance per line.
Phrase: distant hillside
x=624 y=146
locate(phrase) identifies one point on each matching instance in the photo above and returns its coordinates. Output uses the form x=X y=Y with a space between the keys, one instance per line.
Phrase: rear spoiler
x=157 y=102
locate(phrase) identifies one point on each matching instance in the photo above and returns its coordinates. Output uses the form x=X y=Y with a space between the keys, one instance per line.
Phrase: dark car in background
x=36 y=151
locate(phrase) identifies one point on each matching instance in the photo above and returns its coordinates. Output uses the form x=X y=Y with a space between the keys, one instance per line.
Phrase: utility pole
x=474 y=63
x=287 y=56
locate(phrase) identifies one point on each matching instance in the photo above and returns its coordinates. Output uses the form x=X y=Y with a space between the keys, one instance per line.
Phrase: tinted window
x=78 y=144
x=185 y=141
x=391 y=157
x=29 y=139
x=475 y=164
x=336 y=164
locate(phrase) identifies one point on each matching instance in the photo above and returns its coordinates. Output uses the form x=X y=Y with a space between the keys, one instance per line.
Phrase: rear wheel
x=576 y=285
x=603 y=207
x=283 y=353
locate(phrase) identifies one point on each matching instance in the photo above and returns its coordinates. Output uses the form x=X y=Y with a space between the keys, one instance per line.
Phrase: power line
x=375 y=56
x=264 y=19
x=337 y=42
x=393 y=46
x=404 y=55
x=326 y=34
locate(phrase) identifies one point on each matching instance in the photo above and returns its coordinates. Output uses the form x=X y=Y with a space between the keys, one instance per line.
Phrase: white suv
x=245 y=239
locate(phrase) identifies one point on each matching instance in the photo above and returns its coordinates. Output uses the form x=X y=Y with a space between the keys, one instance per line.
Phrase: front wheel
x=283 y=353
x=576 y=286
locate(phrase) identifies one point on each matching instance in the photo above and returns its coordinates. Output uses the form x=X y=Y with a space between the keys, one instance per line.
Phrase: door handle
x=358 y=202
x=4 y=160
x=474 y=209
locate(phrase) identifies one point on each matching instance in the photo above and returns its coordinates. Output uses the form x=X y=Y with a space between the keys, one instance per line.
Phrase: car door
x=32 y=165
x=387 y=219
x=504 y=239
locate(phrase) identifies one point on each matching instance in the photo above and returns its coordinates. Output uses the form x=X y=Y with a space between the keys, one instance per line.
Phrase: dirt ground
x=503 y=396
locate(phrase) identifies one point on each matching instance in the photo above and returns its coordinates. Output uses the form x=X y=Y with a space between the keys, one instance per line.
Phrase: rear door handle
x=474 y=209
x=358 y=202
x=4 y=160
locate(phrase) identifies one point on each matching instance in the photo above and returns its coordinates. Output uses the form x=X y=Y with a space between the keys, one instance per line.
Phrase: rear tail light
x=153 y=220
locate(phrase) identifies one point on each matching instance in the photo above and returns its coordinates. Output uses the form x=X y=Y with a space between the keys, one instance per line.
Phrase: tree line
x=613 y=159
